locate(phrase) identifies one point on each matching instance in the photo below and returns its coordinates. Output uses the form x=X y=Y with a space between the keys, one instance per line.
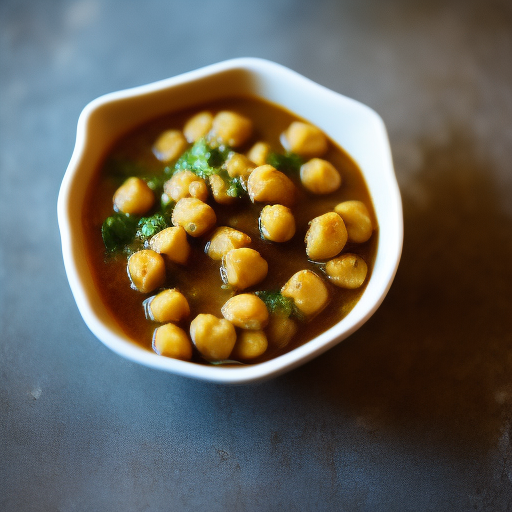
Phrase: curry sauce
x=200 y=280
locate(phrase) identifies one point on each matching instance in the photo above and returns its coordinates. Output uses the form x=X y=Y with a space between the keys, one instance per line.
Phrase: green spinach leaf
x=278 y=303
x=149 y=226
x=289 y=162
x=202 y=159
x=117 y=231
x=235 y=187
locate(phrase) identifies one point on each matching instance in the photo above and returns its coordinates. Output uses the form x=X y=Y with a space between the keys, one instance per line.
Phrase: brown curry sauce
x=200 y=280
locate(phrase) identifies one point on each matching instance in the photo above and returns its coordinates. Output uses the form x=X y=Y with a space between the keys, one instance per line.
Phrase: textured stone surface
x=413 y=412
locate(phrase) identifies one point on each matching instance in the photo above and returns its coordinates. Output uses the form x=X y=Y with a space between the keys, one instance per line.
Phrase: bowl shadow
x=435 y=359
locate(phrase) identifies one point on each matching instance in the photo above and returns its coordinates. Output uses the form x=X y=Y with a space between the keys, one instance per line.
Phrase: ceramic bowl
x=354 y=126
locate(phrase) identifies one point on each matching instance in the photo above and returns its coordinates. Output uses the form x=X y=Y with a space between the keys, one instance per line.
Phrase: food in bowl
x=229 y=233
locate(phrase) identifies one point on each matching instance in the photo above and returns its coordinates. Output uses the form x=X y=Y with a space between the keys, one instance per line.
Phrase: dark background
x=413 y=412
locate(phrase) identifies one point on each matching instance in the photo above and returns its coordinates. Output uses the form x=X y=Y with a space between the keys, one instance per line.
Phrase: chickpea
x=308 y=291
x=268 y=185
x=173 y=243
x=326 y=236
x=171 y=341
x=320 y=176
x=357 y=220
x=213 y=337
x=347 y=271
x=277 y=223
x=194 y=216
x=198 y=189
x=280 y=330
x=186 y=184
x=259 y=153
x=170 y=145
x=231 y=128
x=244 y=267
x=246 y=311
x=239 y=165
x=168 y=306
x=304 y=139
x=223 y=240
x=220 y=190
x=249 y=345
x=146 y=269
x=134 y=197
x=198 y=126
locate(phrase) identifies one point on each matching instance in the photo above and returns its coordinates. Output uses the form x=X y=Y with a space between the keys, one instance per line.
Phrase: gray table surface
x=413 y=412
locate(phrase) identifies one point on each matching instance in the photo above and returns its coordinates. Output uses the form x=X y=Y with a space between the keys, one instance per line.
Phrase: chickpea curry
x=231 y=233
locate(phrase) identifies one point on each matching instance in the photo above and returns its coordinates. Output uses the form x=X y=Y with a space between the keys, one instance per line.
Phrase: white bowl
x=355 y=127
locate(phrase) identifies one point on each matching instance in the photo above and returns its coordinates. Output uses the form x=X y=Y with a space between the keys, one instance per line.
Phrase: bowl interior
x=355 y=127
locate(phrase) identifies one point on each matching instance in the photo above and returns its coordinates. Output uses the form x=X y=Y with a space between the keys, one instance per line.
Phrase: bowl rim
x=361 y=312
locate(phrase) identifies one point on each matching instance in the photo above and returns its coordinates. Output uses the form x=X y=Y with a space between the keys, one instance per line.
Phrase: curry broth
x=200 y=280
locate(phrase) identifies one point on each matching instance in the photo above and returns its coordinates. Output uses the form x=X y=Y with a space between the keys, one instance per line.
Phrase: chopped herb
x=235 y=187
x=202 y=160
x=117 y=231
x=277 y=303
x=205 y=161
x=218 y=156
x=289 y=162
x=149 y=226
x=156 y=183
